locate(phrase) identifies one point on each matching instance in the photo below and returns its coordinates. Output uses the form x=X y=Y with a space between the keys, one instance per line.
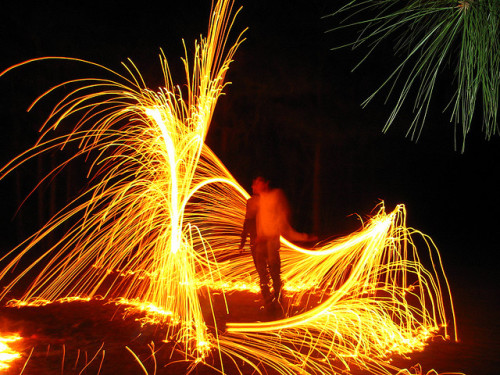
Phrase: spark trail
x=157 y=224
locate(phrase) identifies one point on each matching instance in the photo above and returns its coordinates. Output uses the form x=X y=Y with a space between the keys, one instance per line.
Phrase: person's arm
x=287 y=230
x=244 y=234
x=246 y=227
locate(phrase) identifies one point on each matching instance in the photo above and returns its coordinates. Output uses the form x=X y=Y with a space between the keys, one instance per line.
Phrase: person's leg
x=261 y=265
x=274 y=261
x=253 y=252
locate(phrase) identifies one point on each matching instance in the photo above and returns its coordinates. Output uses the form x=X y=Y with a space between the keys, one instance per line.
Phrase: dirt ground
x=92 y=338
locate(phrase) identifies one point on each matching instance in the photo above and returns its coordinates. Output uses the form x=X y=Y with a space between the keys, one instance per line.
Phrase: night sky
x=291 y=99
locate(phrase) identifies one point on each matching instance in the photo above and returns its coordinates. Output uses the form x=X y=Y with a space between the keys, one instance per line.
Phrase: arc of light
x=312 y=314
x=335 y=248
x=174 y=210
x=214 y=180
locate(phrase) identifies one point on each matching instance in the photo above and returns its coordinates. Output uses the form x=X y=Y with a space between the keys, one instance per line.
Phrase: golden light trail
x=375 y=300
x=158 y=224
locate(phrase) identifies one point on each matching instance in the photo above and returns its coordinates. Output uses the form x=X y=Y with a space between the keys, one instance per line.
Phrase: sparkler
x=146 y=170
x=429 y=34
x=161 y=216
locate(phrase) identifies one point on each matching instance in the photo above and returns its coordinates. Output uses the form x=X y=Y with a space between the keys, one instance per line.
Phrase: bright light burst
x=158 y=224
x=7 y=354
x=429 y=35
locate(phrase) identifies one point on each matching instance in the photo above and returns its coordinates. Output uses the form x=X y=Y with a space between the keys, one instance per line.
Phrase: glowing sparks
x=370 y=283
x=160 y=219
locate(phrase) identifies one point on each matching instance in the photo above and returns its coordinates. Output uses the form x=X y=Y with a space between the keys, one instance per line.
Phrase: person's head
x=260 y=184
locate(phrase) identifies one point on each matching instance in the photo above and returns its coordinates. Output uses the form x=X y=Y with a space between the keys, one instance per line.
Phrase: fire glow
x=7 y=354
x=162 y=215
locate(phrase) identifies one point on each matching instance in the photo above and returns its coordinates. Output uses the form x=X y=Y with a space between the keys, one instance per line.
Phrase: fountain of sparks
x=161 y=214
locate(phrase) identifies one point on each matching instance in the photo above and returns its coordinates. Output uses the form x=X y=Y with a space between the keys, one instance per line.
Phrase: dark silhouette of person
x=269 y=210
x=250 y=223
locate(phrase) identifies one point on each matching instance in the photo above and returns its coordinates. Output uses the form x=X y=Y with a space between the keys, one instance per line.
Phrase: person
x=250 y=223
x=270 y=209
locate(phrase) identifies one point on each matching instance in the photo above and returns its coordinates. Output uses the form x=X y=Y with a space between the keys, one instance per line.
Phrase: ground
x=91 y=338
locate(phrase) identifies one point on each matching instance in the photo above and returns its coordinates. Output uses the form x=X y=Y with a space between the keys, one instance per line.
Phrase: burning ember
x=7 y=354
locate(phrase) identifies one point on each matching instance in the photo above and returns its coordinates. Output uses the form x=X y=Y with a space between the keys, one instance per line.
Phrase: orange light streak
x=158 y=225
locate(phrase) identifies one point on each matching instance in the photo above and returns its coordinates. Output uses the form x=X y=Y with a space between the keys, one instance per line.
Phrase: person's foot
x=278 y=296
x=274 y=310
x=268 y=305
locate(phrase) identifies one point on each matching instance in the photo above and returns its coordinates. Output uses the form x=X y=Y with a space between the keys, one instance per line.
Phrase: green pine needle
x=428 y=35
